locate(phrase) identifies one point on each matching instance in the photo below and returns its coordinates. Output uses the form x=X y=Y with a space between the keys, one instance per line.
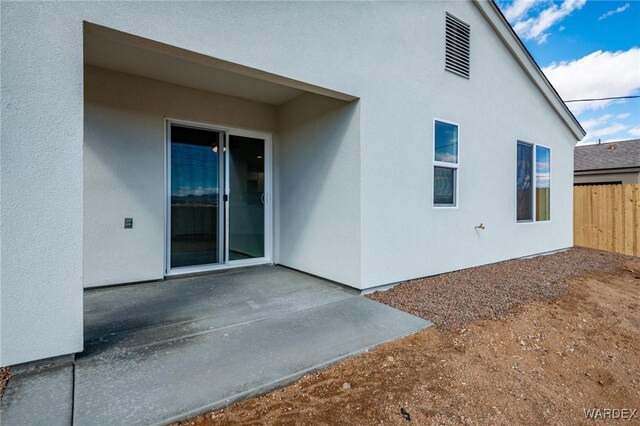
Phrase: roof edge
x=628 y=169
x=592 y=144
x=494 y=15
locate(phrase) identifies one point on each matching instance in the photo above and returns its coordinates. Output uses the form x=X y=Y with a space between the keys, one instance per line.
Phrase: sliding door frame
x=268 y=203
x=223 y=225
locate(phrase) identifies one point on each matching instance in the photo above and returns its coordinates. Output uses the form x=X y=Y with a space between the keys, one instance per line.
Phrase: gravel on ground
x=487 y=292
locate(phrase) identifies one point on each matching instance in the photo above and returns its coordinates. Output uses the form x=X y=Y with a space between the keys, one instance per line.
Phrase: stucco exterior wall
x=494 y=108
x=124 y=154
x=319 y=188
x=41 y=216
x=388 y=54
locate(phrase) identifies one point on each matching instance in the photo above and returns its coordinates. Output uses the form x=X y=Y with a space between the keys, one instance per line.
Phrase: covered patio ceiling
x=115 y=50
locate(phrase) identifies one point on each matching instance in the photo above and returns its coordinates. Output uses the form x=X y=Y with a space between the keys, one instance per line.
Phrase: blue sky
x=587 y=49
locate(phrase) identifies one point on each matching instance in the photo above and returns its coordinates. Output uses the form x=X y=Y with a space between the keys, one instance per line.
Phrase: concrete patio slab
x=190 y=305
x=159 y=352
x=171 y=380
x=39 y=398
x=232 y=296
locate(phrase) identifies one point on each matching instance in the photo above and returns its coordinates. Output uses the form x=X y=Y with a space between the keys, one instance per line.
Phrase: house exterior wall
x=124 y=160
x=623 y=177
x=497 y=106
x=318 y=163
x=388 y=54
x=41 y=174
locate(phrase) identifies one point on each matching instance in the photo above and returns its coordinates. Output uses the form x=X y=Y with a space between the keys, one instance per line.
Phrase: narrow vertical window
x=533 y=183
x=524 y=182
x=543 y=183
x=445 y=169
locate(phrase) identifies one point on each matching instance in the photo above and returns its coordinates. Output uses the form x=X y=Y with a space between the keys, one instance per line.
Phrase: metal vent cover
x=458 y=40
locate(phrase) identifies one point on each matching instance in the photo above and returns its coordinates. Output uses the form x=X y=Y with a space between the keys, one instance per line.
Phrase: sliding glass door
x=196 y=199
x=218 y=198
x=246 y=198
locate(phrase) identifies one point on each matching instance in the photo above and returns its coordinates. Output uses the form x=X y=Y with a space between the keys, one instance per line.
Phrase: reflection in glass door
x=196 y=212
x=218 y=184
x=246 y=198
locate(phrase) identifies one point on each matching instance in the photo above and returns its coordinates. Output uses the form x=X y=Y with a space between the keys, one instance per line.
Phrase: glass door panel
x=246 y=198
x=196 y=210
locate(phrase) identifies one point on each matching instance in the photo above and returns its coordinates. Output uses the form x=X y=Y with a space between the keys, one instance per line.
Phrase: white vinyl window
x=445 y=164
x=533 y=183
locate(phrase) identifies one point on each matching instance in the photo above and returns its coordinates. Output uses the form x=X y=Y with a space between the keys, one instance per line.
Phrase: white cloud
x=606 y=131
x=535 y=28
x=614 y=11
x=543 y=38
x=517 y=9
x=634 y=131
x=605 y=127
x=623 y=116
x=597 y=75
x=593 y=123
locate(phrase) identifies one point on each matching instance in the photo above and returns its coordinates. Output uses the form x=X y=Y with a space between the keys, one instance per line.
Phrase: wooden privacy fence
x=607 y=217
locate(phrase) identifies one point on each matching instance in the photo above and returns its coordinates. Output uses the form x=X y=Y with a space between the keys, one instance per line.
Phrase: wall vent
x=458 y=39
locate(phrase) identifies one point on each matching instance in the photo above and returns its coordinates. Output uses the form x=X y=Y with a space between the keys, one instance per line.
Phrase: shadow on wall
x=124 y=148
x=319 y=187
x=123 y=177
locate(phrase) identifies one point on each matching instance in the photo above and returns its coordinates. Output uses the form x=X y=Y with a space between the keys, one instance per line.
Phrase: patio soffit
x=119 y=51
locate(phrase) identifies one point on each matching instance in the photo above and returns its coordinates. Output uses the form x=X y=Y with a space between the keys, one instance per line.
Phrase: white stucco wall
x=318 y=163
x=41 y=216
x=124 y=148
x=495 y=107
x=388 y=54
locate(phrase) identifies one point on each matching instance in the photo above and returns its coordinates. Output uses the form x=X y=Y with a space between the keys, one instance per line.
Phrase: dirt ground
x=5 y=375
x=544 y=362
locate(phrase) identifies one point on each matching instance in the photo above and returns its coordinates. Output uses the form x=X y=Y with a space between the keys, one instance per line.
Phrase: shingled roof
x=611 y=155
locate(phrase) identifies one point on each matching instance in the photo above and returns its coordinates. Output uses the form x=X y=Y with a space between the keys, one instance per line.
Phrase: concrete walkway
x=160 y=352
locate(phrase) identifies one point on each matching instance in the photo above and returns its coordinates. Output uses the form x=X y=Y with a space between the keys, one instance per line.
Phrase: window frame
x=534 y=178
x=455 y=166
